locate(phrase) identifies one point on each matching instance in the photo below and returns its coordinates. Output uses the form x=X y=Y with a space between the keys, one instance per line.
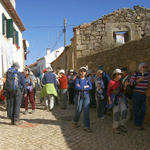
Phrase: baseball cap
x=117 y=71
x=62 y=71
x=83 y=68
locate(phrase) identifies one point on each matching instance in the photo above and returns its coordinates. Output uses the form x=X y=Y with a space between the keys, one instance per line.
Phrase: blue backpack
x=12 y=80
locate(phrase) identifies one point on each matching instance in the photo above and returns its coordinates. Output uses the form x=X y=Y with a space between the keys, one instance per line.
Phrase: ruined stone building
x=110 y=31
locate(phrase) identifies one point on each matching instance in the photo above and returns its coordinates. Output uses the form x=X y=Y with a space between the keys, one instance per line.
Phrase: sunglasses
x=82 y=70
x=144 y=67
x=119 y=74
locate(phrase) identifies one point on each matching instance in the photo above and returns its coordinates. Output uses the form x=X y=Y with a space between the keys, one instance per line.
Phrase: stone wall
x=99 y=35
x=60 y=61
x=128 y=55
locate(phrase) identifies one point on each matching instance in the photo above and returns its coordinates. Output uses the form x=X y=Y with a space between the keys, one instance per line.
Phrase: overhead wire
x=44 y=27
x=57 y=41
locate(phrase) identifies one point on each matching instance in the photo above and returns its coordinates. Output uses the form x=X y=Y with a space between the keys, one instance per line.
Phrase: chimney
x=13 y=2
x=48 y=51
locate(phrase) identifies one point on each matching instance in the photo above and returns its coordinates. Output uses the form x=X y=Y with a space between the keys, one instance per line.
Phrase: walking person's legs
x=51 y=102
x=8 y=99
x=32 y=100
x=86 y=111
x=116 y=118
x=136 y=109
x=64 y=98
x=26 y=102
x=143 y=109
x=78 y=110
x=17 y=105
x=124 y=112
x=12 y=105
x=139 y=109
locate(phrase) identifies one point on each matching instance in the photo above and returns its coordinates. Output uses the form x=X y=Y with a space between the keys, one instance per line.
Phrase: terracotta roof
x=32 y=65
x=13 y=14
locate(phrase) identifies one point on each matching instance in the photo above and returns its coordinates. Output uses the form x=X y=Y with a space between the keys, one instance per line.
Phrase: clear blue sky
x=43 y=19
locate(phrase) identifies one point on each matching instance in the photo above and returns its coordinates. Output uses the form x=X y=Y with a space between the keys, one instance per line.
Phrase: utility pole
x=65 y=54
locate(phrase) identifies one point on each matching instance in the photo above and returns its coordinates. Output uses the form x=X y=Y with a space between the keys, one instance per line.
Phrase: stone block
x=81 y=47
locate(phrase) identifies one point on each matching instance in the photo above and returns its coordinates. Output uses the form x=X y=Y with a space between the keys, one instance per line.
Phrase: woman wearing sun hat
x=82 y=100
x=117 y=98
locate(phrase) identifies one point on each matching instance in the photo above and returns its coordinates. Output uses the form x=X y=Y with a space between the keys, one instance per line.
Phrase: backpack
x=86 y=78
x=12 y=80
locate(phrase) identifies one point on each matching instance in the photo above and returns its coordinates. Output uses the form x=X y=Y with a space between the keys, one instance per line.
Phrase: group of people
x=84 y=89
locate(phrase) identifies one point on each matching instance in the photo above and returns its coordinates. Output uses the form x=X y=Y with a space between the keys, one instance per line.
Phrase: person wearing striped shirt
x=140 y=81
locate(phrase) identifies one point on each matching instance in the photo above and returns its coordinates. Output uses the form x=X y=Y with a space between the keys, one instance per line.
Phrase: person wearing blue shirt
x=82 y=86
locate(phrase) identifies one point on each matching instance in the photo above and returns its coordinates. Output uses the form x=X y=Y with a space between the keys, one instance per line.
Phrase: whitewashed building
x=12 y=48
x=46 y=60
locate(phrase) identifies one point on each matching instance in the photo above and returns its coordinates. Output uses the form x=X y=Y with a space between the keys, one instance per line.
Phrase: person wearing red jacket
x=63 y=88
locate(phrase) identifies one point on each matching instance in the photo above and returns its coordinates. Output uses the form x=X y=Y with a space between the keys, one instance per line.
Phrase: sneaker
x=26 y=112
x=75 y=124
x=18 y=122
x=33 y=111
x=123 y=129
x=87 y=129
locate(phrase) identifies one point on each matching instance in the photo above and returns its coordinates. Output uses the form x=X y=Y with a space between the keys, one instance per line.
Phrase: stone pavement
x=54 y=131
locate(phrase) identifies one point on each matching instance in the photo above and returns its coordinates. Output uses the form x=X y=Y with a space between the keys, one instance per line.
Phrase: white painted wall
x=46 y=61
x=8 y=51
x=13 y=3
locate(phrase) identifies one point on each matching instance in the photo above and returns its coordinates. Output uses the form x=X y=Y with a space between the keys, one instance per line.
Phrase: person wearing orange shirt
x=63 y=88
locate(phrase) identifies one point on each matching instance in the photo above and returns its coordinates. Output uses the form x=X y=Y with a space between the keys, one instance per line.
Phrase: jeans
x=139 y=108
x=100 y=107
x=14 y=105
x=120 y=113
x=64 y=97
x=85 y=102
x=8 y=107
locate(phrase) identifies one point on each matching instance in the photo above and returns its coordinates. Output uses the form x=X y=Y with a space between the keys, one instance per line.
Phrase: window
x=121 y=37
x=16 y=38
x=7 y=27
x=10 y=28
x=9 y=31
x=4 y=25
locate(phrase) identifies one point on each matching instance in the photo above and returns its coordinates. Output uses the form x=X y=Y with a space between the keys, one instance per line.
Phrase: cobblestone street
x=45 y=130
